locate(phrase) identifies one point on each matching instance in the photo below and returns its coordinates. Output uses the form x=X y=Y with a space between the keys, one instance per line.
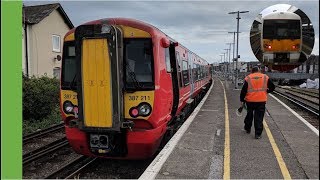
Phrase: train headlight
x=297 y=46
x=68 y=107
x=144 y=109
x=267 y=46
x=134 y=112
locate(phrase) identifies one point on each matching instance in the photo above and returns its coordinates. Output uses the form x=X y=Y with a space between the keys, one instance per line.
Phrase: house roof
x=35 y=14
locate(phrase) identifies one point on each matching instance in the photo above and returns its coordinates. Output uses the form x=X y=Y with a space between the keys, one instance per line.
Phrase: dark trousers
x=255 y=110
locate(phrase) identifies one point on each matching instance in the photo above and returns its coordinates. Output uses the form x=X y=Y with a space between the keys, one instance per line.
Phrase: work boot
x=247 y=130
x=258 y=136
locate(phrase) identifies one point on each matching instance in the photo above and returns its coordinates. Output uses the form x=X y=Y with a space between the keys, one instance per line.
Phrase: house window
x=56 y=72
x=56 y=43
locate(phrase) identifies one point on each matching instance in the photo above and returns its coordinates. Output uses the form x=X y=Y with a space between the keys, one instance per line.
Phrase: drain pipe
x=26 y=47
x=26 y=43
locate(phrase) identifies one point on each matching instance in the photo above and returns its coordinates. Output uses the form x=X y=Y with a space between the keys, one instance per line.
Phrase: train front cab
x=108 y=92
x=281 y=38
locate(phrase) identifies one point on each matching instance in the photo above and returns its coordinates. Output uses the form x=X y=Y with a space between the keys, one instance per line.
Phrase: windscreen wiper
x=132 y=75
x=71 y=85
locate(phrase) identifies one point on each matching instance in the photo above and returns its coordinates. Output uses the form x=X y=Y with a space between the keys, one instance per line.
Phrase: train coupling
x=73 y=123
x=127 y=124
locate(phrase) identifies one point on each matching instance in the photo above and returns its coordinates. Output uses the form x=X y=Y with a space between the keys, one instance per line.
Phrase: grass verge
x=32 y=125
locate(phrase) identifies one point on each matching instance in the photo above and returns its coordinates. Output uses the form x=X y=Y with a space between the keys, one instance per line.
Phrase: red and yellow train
x=281 y=40
x=124 y=83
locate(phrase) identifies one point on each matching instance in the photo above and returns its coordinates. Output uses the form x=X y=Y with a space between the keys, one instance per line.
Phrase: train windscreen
x=68 y=76
x=281 y=29
x=138 y=62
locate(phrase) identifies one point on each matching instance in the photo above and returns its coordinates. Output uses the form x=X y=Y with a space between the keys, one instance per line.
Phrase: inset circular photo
x=282 y=37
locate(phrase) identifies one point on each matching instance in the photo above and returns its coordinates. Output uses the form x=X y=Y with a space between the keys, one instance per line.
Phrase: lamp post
x=221 y=59
x=238 y=18
x=227 y=59
x=233 y=68
x=224 y=63
x=233 y=63
x=229 y=51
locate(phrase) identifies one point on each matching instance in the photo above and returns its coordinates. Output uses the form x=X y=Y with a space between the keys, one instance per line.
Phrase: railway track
x=44 y=150
x=311 y=93
x=39 y=141
x=71 y=169
x=43 y=132
x=299 y=101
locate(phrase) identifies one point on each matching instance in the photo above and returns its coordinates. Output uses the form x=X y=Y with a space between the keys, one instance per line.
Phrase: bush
x=40 y=97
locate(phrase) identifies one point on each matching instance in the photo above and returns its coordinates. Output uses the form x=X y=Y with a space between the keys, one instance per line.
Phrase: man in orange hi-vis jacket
x=254 y=95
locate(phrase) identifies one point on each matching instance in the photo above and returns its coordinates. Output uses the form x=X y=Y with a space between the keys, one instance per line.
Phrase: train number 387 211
x=139 y=98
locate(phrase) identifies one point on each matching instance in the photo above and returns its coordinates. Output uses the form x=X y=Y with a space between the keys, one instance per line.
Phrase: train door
x=99 y=76
x=174 y=75
x=191 y=74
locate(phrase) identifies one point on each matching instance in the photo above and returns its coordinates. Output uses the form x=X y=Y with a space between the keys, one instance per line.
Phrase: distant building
x=251 y=64
x=243 y=67
x=311 y=66
x=44 y=27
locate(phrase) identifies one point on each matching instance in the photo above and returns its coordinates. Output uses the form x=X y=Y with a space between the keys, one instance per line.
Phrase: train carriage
x=124 y=84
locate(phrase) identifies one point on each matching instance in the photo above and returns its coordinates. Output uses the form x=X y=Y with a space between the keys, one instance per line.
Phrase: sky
x=201 y=26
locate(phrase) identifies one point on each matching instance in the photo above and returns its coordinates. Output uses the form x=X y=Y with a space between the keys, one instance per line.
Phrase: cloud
x=201 y=26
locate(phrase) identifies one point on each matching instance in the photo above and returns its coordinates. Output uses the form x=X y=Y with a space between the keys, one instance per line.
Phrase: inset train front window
x=138 y=62
x=281 y=29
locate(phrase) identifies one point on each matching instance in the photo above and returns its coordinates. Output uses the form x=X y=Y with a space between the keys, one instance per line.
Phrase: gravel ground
x=41 y=168
x=115 y=169
x=42 y=141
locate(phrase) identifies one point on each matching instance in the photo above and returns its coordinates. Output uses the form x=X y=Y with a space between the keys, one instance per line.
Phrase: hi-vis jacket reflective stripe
x=257 y=87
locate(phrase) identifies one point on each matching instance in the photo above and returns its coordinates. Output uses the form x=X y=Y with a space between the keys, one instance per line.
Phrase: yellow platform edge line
x=282 y=164
x=226 y=161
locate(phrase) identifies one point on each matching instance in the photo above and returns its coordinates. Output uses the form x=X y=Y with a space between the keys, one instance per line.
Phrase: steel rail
x=71 y=169
x=308 y=93
x=43 y=132
x=44 y=150
x=305 y=99
x=299 y=103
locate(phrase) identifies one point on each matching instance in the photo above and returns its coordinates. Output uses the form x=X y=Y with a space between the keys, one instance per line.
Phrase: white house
x=44 y=27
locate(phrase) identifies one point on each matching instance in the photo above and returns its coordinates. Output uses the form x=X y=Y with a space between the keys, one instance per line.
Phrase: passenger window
x=185 y=73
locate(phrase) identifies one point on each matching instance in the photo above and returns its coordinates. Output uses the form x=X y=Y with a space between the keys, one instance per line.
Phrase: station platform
x=214 y=146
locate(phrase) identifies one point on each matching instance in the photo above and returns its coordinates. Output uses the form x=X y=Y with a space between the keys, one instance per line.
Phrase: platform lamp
x=228 y=61
x=237 y=55
x=233 y=59
x=229 y=52
x=221 y=58
x=224 y=62
x=229 y=58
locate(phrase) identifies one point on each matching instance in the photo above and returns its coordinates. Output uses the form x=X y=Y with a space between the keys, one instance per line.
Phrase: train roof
x=135 y=24
x=282 y=15
x=122 y=21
